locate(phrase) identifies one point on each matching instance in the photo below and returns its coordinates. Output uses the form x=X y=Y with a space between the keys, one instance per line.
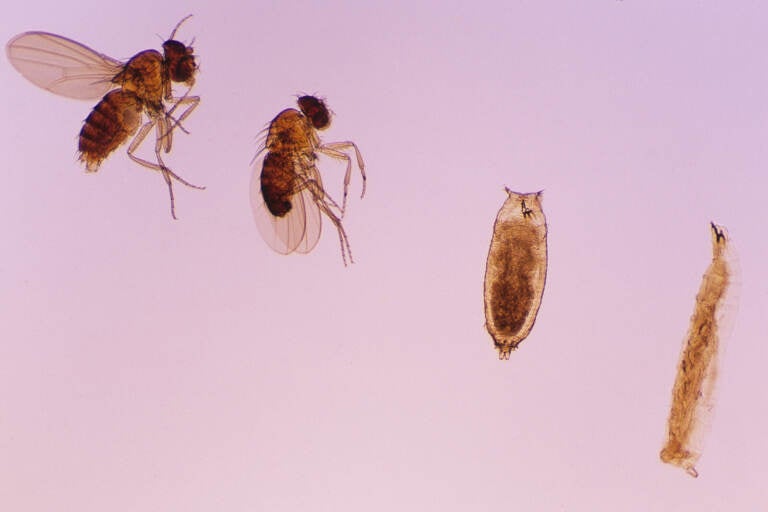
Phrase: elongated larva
x=696 y=373
x=515 y=271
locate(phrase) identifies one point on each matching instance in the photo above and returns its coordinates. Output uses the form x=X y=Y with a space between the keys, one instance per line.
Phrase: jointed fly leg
x=343 y=240
x=167 y=136
x=337 y=150
x=326 y=204
x=190 y=101
x=316 y=187
x=162 y=132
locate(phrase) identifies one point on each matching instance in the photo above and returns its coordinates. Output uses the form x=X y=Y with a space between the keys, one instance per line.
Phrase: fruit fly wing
x=297 y=231
x=312 y=222
x=62 y=66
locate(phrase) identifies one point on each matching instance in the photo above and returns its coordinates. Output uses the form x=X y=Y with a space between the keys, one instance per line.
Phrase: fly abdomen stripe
x=108 y=126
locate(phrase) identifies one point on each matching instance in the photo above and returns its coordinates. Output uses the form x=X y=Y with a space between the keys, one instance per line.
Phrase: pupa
x=516 y=270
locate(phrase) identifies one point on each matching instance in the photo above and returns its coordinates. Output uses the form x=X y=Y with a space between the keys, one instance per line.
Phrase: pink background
x=148 y=364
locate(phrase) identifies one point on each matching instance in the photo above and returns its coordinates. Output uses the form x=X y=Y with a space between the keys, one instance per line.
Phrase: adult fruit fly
x=142 y=85
x=287 y=194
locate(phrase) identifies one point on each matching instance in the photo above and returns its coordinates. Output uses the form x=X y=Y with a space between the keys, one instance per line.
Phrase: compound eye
x=180 y=61
x=184 y=70
x=316 y=111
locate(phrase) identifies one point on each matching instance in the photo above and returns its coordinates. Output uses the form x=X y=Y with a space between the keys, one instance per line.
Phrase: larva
x=692 y=393
x=515 y=271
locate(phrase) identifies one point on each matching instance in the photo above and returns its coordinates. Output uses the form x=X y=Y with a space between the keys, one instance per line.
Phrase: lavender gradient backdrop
x=150 y=364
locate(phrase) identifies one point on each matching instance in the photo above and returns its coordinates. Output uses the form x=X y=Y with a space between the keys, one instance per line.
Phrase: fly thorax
x=143 y=76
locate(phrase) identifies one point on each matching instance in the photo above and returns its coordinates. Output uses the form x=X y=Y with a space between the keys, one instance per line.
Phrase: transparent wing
x=312 y=215
x=62 y=66
x=298 y=230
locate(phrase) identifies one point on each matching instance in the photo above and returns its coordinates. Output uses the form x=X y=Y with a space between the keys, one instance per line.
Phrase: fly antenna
x=185 y=18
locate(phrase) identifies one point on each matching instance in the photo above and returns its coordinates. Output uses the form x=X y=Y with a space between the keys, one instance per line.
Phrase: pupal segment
x=692 y=393
x=515 y=271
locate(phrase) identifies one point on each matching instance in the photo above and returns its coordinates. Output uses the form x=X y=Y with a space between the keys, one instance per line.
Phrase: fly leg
x=160 y=166
x=310 y=179
x=191 y=102
x=326 y=204
x=343 y=239
x=337 y=150
x=320 y=193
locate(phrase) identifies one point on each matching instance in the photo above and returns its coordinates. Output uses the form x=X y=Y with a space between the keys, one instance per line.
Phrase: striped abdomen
x=116 y=117
x=278 y=182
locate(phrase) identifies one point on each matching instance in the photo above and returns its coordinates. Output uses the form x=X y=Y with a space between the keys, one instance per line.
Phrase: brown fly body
x=287 y=194
x=140 y=87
